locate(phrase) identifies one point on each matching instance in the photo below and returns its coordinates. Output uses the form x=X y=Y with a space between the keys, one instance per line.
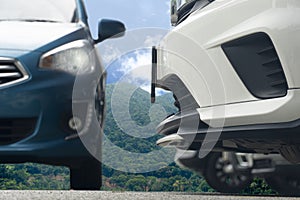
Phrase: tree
x=138 y=183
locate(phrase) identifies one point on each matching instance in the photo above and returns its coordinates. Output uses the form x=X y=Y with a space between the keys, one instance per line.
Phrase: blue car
x=45 y=46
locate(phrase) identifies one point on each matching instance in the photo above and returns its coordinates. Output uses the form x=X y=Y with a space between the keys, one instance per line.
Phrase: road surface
x=91 y=195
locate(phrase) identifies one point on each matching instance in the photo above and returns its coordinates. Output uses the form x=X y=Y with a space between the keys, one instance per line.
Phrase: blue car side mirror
x=108 y=28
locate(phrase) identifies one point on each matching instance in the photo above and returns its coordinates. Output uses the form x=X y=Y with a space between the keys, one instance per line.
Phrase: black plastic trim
x=249 y=138
x=185 y=11
x=173 y=122
x=285 y=131
x=154 y=74
x=256 y=62
x=14 y=130
x=195 y=163
x=184 y=100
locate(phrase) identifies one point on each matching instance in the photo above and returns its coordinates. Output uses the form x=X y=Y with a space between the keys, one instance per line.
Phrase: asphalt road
x=87 y=195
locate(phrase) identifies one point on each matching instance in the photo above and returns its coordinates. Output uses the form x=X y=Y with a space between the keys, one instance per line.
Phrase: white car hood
x=28 y=36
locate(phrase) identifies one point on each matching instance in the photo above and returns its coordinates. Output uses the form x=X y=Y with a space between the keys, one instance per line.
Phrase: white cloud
x=153 y=40
x=137 y=68
x=109 y=53
x=137 y=65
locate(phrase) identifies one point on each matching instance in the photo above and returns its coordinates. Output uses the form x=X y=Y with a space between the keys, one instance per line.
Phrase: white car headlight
x=74 y=57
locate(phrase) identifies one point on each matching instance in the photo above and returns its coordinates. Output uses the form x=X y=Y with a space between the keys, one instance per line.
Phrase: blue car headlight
x=74 y=57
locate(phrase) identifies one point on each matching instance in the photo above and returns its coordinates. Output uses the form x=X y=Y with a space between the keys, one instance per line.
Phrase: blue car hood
x=28 y=36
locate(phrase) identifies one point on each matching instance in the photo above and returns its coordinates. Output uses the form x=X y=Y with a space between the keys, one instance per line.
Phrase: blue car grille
x=14 y=130
x=11 y=72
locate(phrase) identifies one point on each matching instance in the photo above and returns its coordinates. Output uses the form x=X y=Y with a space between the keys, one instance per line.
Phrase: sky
x=133 y=13
x=146 y=22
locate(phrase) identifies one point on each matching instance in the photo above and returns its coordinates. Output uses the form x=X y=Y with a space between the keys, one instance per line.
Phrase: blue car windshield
x=63 y=11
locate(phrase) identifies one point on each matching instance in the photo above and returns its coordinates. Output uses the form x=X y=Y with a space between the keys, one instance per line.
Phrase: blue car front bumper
x=34 y=116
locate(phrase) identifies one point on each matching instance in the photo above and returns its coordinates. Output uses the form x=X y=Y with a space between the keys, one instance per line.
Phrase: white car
x=233 y=67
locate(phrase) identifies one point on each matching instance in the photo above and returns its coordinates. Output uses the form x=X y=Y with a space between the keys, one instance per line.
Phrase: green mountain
x=121 y=131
